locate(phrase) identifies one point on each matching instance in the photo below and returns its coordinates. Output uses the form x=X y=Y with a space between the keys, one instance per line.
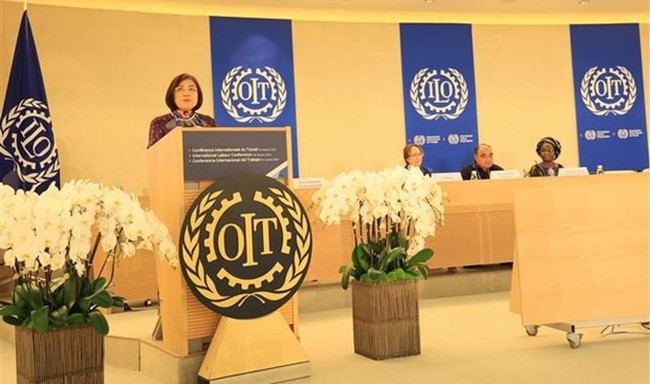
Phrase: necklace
x=186 y=121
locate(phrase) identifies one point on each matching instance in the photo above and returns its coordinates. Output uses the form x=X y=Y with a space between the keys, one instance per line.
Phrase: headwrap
x=557 y=147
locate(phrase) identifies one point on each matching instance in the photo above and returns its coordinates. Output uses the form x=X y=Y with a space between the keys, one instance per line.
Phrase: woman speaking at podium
x=184 y=97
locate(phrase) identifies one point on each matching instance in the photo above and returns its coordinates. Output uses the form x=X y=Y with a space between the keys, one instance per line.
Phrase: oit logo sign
x=253 y=94
x=245 y=246
x=606 y=91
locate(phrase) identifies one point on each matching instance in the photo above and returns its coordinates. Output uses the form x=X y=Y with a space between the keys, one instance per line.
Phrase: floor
x=464 y=339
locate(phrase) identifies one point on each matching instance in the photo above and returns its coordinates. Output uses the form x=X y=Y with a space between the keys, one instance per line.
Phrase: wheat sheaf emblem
x=49 y=165
x=596 y=106
x=428 y=111
x=208 y=286
x=278 y=90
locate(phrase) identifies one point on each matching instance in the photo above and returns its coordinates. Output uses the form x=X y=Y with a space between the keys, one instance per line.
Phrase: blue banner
x=253 y=77
x=29 y=159
x=439 y=93
x=610 y=104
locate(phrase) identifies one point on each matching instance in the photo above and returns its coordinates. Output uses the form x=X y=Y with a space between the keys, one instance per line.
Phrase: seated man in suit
x=483 y=164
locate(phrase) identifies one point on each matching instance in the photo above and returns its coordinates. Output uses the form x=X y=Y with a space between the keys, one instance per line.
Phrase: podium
x=583 y=253
x=179 y=167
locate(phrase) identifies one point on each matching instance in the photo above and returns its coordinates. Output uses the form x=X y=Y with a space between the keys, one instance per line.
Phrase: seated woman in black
x=549 y=150
x=413 y=155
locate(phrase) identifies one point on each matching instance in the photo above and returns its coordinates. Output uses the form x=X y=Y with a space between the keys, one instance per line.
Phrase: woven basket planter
x=386 y=319
x=72 y=355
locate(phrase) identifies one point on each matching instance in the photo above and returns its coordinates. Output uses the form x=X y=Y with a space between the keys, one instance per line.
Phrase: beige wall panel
x=524 y=87
x=106 y=73
x=348 y=85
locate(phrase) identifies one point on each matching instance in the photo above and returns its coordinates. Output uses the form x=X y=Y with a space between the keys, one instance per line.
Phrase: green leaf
x=402 y=241
x=383 y=260
x=423 y=270
x=40 y=319
x=102 y=299
x=70 y=291
x=420 y=257
x=26 y=296
x=374 y=273
x=58 y=282
x=13 y=310
x=76 y=318
x=118 y=301
x=15 y=321
x=361 y=257
x=99 y=323
x=60 y=313
x=84 y=304
x=365 y=278
x=391 y=256
x=99 y=284
x=345 y=275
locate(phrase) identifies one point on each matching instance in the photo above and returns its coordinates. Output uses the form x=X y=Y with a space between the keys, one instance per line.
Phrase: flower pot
x=68 y=355
x=386 y=319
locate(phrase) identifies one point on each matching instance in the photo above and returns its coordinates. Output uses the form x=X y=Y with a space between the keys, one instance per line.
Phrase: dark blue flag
x=29 y=159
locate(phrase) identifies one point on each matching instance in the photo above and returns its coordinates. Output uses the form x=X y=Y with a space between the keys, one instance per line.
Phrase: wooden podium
x=583 y=252
x=186 y=323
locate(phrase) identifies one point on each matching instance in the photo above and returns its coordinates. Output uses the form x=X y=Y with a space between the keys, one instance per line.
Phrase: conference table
x=479 y=226
x=580 y=245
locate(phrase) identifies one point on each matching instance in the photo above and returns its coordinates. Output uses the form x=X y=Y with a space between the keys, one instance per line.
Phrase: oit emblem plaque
x=245 y=246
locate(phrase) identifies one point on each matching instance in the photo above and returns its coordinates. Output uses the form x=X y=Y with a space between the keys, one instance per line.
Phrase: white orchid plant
x=50 y=240
x=391 y=212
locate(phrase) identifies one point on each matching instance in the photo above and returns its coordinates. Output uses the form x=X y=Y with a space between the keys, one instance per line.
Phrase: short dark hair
x=407 y=149
x=169 y=96
x=479 y=147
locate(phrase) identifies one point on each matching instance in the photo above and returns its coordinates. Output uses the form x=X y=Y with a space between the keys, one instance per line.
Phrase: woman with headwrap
x=548 y=150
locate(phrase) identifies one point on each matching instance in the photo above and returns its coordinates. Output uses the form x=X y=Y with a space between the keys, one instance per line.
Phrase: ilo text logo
x=439 y=93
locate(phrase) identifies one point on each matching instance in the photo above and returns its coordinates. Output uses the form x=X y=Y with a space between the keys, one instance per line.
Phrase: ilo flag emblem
x=439 y=93
x=29 y=159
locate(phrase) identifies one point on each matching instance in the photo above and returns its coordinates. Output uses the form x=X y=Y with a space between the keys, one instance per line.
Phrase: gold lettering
x=250 y=257
x=222 y=242
x=266 y=246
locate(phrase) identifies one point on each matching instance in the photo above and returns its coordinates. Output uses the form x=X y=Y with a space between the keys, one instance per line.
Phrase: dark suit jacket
x=466 y=171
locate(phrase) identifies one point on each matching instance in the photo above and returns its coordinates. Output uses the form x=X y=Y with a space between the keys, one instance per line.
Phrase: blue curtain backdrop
x=253 y=76
x=439 y=93
x=609 y=97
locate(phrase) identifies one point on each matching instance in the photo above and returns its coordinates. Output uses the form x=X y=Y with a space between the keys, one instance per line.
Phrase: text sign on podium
x=229 y=152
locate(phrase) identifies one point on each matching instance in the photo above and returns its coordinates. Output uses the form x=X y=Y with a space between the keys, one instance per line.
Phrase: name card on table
x=574 y=171
x=308 y=182
x=447 y=176
x=505 y=174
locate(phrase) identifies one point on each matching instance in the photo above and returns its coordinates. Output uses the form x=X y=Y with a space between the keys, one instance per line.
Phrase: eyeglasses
x=183 y=89
x=416 y=154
